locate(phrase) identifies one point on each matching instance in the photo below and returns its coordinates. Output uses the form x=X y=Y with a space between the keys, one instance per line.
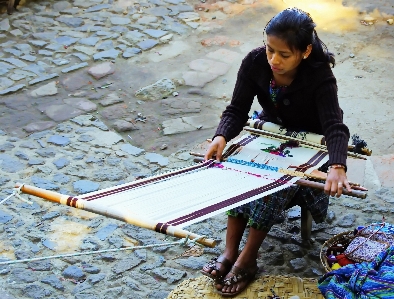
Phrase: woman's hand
x=336 y=180
x=217 y=146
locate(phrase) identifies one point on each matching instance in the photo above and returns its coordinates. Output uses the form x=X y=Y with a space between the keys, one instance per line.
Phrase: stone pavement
x=63 y=59
x=91 y=98
x=76 y=157
x=49 y=45
x=82 y=155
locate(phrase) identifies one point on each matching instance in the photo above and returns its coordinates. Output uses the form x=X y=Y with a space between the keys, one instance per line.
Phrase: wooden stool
x=11 y=5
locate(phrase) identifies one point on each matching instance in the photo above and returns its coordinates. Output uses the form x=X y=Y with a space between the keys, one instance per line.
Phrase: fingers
x=219 y=151
x=347 y=185
x=341 y=186
x=333 y=189
x=336 y=188
x=339 y=189
x=213 y=150
x=209 y=153
x=217 y=146
x=327 y=187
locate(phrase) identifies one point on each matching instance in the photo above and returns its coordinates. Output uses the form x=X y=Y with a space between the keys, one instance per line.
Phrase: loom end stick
x=91 y=207
x=317 y=185
x=42 y=193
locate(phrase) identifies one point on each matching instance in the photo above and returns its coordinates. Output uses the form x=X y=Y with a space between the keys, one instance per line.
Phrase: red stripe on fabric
x=312 y=162
x=230 y=201
x=320 y=155
x=139 y=184
x=243 y=142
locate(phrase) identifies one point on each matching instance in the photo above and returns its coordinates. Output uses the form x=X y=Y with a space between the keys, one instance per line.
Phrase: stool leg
x=10 y=6
x=306 y=224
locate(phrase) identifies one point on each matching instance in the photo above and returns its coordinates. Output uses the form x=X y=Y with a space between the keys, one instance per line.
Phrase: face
x=281 y=58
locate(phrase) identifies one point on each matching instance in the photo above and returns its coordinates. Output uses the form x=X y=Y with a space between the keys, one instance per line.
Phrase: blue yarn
x=253 y=164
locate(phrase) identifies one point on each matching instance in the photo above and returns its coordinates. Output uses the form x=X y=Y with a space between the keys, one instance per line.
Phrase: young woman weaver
x=292 y=79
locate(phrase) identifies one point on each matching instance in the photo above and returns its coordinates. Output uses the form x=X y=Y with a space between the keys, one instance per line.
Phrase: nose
x=275 y=59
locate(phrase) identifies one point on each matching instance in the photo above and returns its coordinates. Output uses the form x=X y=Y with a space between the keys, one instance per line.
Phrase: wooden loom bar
x=365 y=151
x=106 y=211
x=317 y=185
x=303 y=142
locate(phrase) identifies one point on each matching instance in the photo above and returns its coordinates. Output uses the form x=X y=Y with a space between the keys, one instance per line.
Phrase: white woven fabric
x=189 y=196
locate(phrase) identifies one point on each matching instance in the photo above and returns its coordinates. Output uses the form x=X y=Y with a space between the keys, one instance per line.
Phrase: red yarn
x=343 y=260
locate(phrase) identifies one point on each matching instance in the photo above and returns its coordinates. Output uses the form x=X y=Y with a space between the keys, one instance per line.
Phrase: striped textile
x=189 y=195
x=373 y=280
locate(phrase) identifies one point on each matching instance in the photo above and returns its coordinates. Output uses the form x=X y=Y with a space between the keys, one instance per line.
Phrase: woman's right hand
x=217 y=146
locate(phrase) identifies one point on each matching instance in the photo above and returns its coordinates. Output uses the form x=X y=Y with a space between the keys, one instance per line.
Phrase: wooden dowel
x=366 y=151
x=303 y=142
x=317 y=185
x=108 y=212
x=351 y=148
x=197 y=154
x=353 y=193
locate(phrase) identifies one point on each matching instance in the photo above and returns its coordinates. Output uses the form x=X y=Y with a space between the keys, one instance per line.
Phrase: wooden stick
x=303 y=142
x=366 y=151
x=317 y=185
x=107 y=211
x=351 y=148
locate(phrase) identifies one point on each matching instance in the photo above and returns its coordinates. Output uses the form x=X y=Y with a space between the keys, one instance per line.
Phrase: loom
x=254 y=166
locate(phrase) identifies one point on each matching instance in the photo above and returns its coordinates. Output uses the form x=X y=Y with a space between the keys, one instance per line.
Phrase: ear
x=308 y=51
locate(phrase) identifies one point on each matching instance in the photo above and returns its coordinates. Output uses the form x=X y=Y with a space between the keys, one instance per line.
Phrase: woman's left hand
x=336 y=181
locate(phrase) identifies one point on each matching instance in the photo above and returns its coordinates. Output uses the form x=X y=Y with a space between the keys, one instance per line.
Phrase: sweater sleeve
x=235 y=115
x=331 y=118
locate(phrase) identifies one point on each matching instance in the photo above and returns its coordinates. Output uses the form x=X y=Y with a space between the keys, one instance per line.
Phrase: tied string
x=16 y=193
x=186 y=242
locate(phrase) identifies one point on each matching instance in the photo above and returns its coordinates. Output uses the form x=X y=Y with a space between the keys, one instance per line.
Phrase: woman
x=292 y=79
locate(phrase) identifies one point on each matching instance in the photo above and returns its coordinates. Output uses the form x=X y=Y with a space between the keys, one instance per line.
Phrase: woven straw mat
x=283 y=286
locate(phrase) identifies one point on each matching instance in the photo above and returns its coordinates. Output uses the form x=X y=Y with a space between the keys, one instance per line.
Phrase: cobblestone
x=64 y=42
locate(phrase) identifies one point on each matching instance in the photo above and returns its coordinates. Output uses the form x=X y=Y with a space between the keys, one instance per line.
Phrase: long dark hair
x=297 y=28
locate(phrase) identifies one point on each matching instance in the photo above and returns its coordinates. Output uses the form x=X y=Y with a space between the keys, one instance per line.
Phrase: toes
x=207 y=270
x=236 y=288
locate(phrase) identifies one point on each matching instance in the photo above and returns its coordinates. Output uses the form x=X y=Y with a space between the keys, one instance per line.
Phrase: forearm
x=236 y=114
x=335 y=131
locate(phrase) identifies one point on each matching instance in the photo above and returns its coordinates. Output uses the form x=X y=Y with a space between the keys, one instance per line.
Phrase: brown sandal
x=239 y=276
x=212 y=265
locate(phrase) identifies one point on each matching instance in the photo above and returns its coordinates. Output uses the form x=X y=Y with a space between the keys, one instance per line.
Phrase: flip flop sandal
x=212 y=265
x=240 y=275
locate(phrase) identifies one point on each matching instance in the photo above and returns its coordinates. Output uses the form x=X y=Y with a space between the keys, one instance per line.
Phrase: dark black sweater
x=310 y=103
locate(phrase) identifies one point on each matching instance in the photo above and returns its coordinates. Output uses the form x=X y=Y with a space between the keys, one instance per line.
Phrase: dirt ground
x=363 y=54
